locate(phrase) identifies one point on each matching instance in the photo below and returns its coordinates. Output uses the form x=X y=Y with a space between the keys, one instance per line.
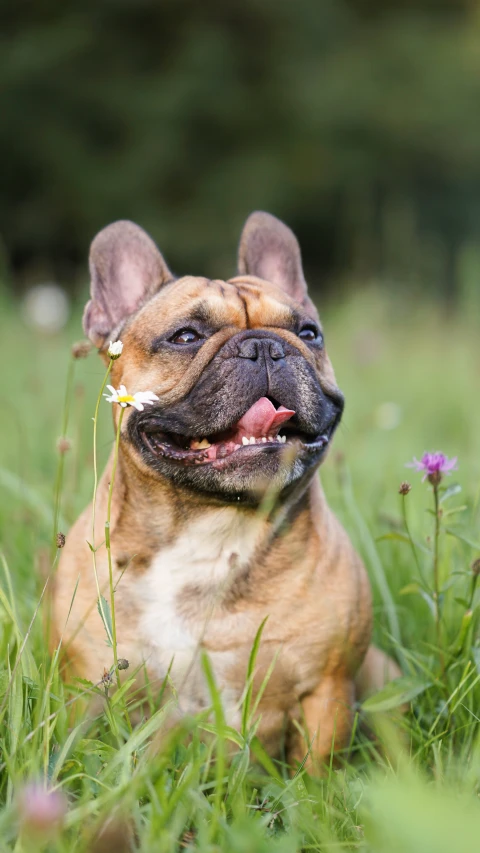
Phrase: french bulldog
x=218 y=517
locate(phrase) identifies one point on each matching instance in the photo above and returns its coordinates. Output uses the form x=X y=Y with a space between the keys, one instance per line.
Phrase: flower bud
x=476 y=567
x=41 y=812
x=107 y=677
x=404 y=488
x=64 y=445
x=81 y=349
x=123 y=663
x=61 y=540
x=435 y=478
x=115 y=349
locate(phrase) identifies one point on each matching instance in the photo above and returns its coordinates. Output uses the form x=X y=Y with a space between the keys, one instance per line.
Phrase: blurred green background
x=356 y=121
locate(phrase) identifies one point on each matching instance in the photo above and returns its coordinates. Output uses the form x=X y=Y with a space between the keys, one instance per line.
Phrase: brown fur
x=293 y=563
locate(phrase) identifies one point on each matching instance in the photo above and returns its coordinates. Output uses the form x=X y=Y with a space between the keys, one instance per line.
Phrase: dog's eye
x=185 y=336
x=310 y=334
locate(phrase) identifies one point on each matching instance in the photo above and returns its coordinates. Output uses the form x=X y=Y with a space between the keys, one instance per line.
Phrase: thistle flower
x=41 y=812
x=434 y=465
x=115 y=349
x=138 y=400
x=404 y=488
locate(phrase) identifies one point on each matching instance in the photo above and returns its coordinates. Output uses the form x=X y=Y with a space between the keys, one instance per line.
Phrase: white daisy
x=138 y=400
x=115 y=349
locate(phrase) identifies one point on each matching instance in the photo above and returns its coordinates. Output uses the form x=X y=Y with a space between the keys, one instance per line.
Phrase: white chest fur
x=205 y=555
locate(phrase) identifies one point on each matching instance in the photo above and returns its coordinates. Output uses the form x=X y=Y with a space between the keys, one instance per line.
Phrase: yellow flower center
x=127 y=398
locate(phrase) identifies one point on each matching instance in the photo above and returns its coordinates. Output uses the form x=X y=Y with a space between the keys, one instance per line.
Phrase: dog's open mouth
x=263 y=426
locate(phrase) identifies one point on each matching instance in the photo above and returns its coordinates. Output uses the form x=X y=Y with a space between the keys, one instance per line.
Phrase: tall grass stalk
x=110 y=563
x=61 y=452
x=108 y=543
x=410 y=539
x=93 y=546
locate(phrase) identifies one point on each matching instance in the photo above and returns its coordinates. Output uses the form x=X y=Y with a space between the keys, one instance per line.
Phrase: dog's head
x=247 y=394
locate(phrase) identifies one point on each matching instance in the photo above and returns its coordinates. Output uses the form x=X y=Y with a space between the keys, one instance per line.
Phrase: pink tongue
x=262 y=419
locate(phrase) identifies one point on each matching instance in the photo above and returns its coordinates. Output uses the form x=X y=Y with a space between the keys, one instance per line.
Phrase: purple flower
x=434 y=465
x=41 y=811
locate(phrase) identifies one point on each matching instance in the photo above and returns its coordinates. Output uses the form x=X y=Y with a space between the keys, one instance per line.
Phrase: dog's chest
x=201 y=562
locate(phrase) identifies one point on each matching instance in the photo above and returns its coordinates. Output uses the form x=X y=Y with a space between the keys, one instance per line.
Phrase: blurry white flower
x=115 y=349
x=138 y=400
x=46 y=307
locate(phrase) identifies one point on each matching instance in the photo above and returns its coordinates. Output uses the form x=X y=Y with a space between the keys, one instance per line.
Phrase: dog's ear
x=270 y=250
x=126 y=269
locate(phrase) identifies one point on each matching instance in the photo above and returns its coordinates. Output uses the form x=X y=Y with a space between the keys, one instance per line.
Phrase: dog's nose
x=276 y=350
x=251 y=348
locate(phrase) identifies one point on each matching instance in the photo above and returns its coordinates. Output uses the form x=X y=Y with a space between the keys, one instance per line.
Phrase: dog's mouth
x=263 y=427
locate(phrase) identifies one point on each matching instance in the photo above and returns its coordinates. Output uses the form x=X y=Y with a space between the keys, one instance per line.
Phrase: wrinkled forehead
x=244 y=302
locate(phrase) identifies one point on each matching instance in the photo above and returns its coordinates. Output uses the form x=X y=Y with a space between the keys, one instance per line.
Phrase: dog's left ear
x=126 y=269
x=269 y=249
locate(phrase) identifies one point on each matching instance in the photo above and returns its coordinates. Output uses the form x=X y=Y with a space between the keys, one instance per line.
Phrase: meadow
x=410 y=371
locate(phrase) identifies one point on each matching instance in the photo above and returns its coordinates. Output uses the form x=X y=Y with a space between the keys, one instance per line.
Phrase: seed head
x=81 y=349
x=61 y=540
x=476 y=567
x=404 y=488
x=64 y=445
x=107 y=678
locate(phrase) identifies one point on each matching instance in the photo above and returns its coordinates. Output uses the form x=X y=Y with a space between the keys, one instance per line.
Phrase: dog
x=218 y=518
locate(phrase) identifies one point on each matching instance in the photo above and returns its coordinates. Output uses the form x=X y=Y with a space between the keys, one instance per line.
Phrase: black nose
x=252 y=348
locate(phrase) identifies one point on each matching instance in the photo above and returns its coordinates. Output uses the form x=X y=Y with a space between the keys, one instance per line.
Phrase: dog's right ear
x=126 y=269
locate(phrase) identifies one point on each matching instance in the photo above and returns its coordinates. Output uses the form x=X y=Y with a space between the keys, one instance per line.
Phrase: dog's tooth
x=264 y=439
x=252 y=439
x=201 y=444
x=245 y=440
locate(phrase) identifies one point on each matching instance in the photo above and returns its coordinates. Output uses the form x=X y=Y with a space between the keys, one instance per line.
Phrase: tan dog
x=247 y=408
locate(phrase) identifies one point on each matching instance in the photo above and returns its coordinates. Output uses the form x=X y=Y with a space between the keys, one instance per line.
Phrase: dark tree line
x=358 y=122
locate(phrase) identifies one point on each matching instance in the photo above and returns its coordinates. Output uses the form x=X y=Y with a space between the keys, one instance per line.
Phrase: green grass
x=414 y=788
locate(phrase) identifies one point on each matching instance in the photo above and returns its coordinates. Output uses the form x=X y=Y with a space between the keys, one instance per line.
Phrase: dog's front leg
x=326 y=718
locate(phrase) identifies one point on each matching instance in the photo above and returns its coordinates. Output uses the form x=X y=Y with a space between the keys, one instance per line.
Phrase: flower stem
x=109 y=555
x=472 y=590
x=436 y=579
x=61 y=457
x=94 y=501
x=412 y=544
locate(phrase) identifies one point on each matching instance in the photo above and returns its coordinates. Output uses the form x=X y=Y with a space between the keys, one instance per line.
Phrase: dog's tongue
x=262 y=419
